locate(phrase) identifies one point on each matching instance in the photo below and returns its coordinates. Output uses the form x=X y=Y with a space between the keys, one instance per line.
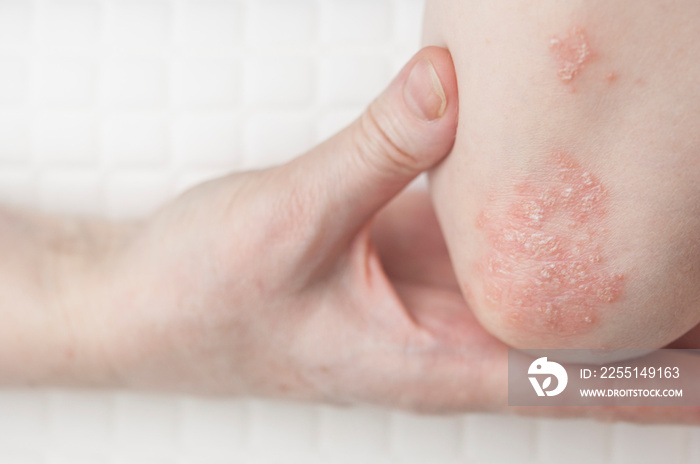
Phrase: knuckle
x=380 y=142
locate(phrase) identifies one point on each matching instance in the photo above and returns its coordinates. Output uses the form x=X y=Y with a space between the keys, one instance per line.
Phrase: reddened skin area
x=550 y=91
x=544 y=269
x=570 y=53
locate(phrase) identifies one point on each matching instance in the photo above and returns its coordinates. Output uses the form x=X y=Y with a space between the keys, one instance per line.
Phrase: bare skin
x=312 y=280
x=570 y=202
x=260 y=283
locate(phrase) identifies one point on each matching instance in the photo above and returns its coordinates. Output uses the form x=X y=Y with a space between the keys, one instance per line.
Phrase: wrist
x=77 y=294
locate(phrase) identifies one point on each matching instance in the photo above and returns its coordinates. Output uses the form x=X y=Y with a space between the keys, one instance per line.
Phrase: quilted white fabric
x=110 y=107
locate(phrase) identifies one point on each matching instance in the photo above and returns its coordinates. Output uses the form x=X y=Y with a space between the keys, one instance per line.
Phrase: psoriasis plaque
x=544 y=267
x=571 y=53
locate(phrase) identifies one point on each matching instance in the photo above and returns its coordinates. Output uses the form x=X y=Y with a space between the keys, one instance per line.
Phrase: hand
x=268 y=282
x=312 y=280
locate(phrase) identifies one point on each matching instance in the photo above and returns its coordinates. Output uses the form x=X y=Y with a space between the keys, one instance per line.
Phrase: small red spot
x=481 y=220
x=611 y=77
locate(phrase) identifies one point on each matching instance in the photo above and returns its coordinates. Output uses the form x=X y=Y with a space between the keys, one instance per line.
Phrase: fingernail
x=423 y=92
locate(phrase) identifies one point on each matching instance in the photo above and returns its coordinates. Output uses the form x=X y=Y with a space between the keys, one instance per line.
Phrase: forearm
x=52 y=274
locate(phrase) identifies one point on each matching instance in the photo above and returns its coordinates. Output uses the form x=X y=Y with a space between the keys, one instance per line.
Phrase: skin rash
x=545 y=267
x=542 y=84
x=570 y=53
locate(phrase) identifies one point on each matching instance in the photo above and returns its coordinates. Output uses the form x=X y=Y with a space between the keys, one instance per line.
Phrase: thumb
x=404 y=132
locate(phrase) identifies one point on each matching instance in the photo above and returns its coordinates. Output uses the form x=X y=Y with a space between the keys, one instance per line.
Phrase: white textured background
x=110 y=107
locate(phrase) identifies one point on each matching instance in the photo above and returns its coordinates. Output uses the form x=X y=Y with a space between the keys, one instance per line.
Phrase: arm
x=50 y=270
x=569 y=202
x=261 y=283
x=288 y=282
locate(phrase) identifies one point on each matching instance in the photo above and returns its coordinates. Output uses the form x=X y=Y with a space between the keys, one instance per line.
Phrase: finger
x=460 y=367
x=405 y=131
